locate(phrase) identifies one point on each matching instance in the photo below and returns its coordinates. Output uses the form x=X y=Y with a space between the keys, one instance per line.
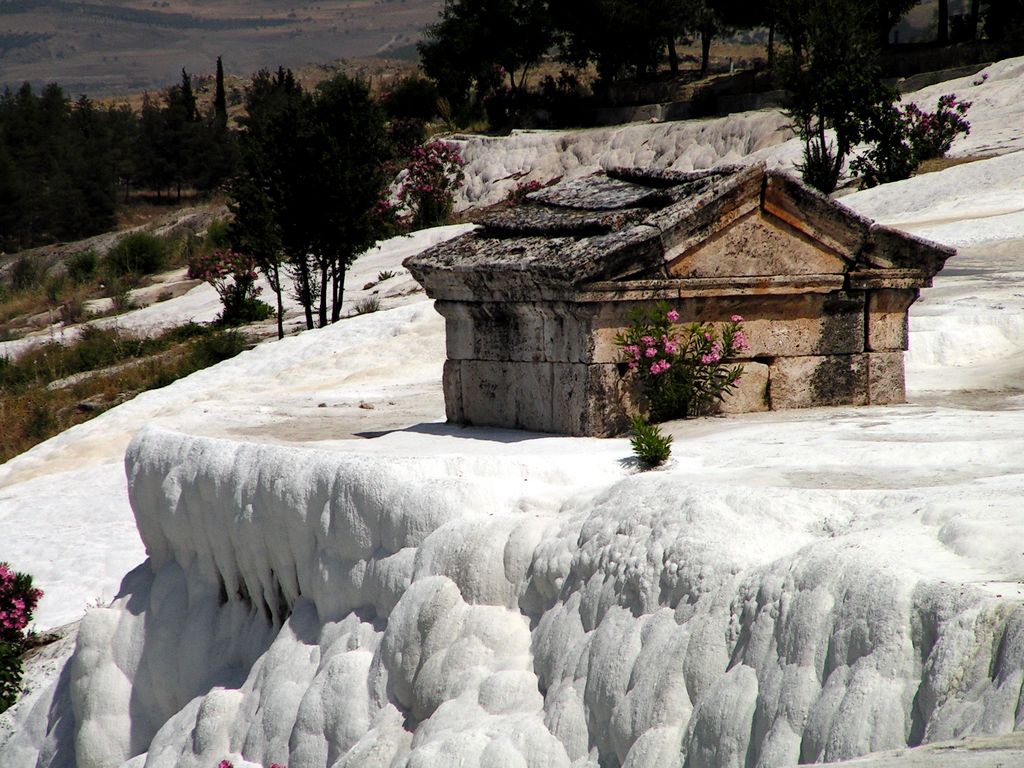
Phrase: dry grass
x=57 y=386
x=942 y=163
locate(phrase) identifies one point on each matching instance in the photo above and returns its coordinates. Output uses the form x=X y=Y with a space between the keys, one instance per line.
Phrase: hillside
x=312 y=568
x=128 y=46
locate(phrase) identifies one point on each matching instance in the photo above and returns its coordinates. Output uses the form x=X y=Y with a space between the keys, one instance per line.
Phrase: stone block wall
x=554 y=366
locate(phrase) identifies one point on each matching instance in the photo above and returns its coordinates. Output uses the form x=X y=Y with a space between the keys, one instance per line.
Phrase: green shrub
x=428 y=191
x=650 y=447
x=932 y=133
x=386 y=274
x=186 y=331
x=122 y=301
x=217 y=347
x=820 y=168
x=233 y=275
x=54 y=288
x=98 y=347
x=139 y=253
x=411 y=97
x=26 y=273
x=902 y=138
x=217 y=235
x=82 y=266
x=41 y=423
x=247 y=310
x=403 y=135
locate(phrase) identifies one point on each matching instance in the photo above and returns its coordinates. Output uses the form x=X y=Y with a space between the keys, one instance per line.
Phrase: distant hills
x=105 y=47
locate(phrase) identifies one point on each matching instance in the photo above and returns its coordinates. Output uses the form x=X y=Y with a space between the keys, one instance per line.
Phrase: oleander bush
x=427 y=193
x=233 y=275
x=18 y=600
x=682 y=368
x=900 y=139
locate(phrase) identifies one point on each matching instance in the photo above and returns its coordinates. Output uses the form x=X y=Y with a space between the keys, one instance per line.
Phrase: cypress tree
x=220 y=101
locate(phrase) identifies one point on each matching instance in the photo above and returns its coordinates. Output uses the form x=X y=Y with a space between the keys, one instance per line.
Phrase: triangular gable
x=757 y=244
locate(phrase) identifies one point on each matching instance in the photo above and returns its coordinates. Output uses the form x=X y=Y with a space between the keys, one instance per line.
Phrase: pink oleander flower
x=673 y=316
x=633 y=351
x=647 y=341
x=671 y=347
x=739 y=341
x=712 y=356
x=651 y=352
x=737 y=318
x=659 y=367
x=633 y=365
x=225 y=764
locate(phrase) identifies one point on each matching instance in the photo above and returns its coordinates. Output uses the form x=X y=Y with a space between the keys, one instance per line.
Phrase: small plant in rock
x=433 y=176
x=122 y=300
x=72 y=311
x=650 y=447
x=367 y=305
x=522 y=189
x=233 y=275
x=386 y=274
x=18 y=600
x=682 y=368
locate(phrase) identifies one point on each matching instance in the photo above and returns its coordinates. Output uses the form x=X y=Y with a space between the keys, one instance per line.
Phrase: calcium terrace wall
x=319 y=608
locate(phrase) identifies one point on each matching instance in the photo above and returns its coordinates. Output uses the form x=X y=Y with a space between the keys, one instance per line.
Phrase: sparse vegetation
x=366 y=306
x=43 y=391
x=385 y=274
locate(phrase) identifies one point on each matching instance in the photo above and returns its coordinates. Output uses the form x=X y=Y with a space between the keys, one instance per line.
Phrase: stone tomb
x=534 y=298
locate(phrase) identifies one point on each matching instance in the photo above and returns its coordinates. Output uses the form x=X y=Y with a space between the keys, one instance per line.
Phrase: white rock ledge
x=326 y=609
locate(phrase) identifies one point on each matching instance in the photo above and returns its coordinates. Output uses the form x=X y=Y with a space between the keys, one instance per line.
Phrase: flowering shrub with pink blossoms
x=233 y=275
x=229 y=764
x=932 y=133
x=681 y=367
x=18 y=600
x=428 y=191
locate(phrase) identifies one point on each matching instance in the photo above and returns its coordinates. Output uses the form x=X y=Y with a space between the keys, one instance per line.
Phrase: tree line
x=66 y=166
x=478 y=44
x=478 y=47
x=307 y=174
